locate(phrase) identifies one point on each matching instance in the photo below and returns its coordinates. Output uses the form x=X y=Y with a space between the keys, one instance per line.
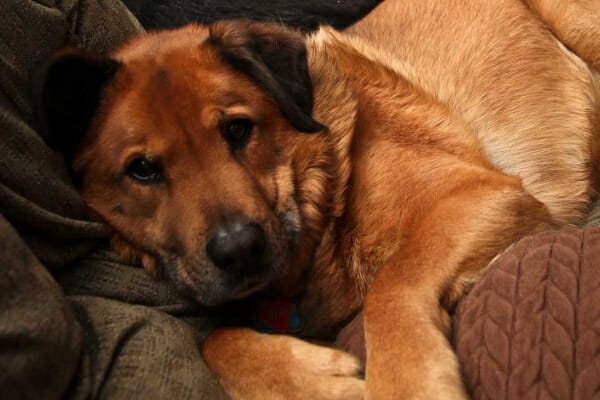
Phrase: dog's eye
x=145 y=171
x=237 y=132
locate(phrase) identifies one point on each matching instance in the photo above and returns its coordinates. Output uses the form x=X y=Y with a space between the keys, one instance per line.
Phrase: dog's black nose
x=237 y=246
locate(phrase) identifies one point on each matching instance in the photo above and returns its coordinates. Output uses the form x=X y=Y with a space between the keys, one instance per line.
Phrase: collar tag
x=277 y=316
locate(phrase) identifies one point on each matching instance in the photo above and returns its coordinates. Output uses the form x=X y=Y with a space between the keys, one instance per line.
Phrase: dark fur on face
x=275 y=58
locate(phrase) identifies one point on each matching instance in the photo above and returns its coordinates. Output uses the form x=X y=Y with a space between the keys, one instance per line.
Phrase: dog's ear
x=67 y=91
x=275 y=58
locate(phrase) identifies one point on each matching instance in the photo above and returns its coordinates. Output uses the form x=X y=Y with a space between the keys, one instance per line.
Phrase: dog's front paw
x=333 y=374
x=251 y=365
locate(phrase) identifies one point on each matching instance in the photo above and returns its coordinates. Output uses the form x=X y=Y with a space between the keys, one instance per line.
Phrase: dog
x=379 y=168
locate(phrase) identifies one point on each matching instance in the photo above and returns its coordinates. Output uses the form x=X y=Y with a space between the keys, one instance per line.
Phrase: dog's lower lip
x=249 y=291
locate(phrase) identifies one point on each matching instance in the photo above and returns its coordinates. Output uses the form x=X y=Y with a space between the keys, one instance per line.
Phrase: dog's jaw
x=212 y=287
x=134 y=256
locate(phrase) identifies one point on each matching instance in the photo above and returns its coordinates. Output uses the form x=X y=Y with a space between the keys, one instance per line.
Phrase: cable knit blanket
x=530 y=327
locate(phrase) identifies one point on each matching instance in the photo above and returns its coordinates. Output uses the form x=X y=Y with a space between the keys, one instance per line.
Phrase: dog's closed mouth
x=245 y=292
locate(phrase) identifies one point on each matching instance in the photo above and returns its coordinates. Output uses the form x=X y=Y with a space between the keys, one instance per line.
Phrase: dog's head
x=193 y=145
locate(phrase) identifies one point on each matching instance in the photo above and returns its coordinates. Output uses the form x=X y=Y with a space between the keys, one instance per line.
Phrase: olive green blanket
x=74 y=322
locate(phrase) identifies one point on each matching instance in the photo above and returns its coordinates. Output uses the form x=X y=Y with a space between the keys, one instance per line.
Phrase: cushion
x=530 y=327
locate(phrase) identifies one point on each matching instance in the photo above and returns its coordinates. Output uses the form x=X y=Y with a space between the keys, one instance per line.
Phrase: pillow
x=530 y=327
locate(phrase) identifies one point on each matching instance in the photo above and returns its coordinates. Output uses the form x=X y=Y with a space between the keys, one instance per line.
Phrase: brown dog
x=385 y=167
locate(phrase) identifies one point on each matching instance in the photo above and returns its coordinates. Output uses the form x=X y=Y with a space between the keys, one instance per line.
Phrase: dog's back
x=531 y=102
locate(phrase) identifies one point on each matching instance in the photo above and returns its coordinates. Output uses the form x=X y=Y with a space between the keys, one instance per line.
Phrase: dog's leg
x=251 y=365
x=406 y=322
x=575 y=22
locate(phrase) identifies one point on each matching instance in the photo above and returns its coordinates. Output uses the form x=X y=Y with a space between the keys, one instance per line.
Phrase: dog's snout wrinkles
x=237 y=246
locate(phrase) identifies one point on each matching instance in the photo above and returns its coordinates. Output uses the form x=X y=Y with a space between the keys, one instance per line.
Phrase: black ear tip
x=303 y=122
x=313 y=127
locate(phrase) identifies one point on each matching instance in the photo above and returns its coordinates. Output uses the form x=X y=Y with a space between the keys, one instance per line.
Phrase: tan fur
x=307 y=370
x=575 y=23
x=454 y=129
